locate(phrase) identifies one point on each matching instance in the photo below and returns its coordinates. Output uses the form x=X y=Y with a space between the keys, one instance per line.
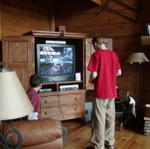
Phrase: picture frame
x=148 y=28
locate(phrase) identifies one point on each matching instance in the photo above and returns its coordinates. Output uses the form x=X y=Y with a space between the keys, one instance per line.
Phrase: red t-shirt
x=35 y=100
x=106 y=64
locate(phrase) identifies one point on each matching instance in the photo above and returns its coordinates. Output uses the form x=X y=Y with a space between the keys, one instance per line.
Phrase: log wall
x=79 y=16
x=18 y=17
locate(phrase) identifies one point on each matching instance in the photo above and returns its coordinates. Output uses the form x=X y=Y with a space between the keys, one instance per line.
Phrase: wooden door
x=18 y=54
x=89 y=51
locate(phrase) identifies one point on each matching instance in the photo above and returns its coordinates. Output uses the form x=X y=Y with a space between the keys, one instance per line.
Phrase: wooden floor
x=127 y=138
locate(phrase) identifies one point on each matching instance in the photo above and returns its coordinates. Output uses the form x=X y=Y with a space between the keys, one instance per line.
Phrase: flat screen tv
x=55 y=62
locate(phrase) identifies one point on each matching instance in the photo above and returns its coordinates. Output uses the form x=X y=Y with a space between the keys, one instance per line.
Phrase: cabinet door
x=18 y=54
x=89 y=51
x=72 y=105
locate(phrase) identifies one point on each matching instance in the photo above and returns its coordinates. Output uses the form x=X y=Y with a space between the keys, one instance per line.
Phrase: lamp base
x=5 y=137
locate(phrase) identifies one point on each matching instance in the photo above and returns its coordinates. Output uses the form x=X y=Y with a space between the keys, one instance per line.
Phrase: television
x=55 y=62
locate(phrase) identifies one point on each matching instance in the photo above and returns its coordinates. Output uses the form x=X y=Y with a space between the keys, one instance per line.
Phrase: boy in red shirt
x=36 y=85
x=105 y=67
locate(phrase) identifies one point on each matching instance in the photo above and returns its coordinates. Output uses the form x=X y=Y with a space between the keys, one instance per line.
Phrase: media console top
x=37 y=33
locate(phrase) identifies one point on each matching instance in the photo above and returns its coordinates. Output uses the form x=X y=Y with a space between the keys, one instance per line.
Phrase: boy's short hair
x=99 y=40
x=35 y=80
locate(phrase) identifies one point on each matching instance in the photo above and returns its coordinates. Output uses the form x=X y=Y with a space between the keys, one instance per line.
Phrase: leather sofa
x=38 y=134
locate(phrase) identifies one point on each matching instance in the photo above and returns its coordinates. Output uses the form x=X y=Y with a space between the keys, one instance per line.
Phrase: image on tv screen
x=56 y=59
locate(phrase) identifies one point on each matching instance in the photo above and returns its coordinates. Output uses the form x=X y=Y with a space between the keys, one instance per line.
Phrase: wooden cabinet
x=63 y=105
x=19 y=53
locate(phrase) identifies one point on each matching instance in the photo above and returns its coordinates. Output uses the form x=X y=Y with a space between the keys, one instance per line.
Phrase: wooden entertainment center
x=19 y=54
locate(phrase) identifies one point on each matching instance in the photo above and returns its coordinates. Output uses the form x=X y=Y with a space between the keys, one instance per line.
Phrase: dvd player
x=69 y=87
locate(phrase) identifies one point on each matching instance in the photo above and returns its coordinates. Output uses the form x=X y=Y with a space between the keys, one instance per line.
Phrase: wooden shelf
x=65 y=82
x=70 y=35
x=78 y=91
x=145 y=40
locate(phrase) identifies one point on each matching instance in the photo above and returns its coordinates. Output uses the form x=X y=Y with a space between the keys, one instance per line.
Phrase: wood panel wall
x=18 y=17
x=79 y=16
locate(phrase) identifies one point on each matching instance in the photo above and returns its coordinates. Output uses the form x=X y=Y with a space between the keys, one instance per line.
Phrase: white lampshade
x=14 y=102
x=138 y=57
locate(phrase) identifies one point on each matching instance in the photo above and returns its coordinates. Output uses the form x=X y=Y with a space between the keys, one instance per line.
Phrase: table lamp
x=14 y=104
x=137 y=58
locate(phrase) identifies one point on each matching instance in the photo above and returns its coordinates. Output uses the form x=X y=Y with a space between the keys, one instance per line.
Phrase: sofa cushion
x=36 y=131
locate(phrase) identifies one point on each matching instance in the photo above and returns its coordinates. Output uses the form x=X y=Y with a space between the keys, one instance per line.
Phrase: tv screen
x=55 y=62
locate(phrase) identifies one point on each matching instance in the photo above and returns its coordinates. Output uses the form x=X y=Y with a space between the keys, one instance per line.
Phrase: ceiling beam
x=136 y=10
x=125 y=5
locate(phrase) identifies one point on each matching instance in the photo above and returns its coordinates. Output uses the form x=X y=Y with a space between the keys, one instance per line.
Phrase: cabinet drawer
x=51 y=113
x=71 y=109
x=71 y=99
x=49 y=101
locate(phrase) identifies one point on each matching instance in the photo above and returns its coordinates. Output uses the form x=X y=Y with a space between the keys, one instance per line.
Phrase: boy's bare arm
x=119 y=72
x=93 y=75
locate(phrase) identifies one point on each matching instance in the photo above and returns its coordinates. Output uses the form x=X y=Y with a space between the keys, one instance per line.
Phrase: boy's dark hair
x=35 y=80
x=94 y=40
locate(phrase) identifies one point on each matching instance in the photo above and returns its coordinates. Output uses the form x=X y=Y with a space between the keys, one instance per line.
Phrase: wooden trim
x=18 y=38
x=79 y=91
x=65 y=82
x=55 y=34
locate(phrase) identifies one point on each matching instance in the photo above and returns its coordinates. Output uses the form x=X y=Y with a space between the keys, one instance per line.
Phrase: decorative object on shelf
x=14 y=104
x=137 y=58
x=78 y=76
x=148 y=28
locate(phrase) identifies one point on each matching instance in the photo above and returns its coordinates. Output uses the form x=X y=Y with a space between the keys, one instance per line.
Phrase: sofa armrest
x=36 y=131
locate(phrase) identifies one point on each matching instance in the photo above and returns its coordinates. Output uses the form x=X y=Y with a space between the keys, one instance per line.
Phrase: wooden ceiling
x=107 y=5
x=100 y=2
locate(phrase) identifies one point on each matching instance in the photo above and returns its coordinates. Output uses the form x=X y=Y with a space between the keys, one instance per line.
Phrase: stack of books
x=147 y=126
x=147 y=120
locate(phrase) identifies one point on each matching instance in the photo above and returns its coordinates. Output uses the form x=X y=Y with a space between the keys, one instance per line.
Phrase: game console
x=69 y=87
x=45 y=90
